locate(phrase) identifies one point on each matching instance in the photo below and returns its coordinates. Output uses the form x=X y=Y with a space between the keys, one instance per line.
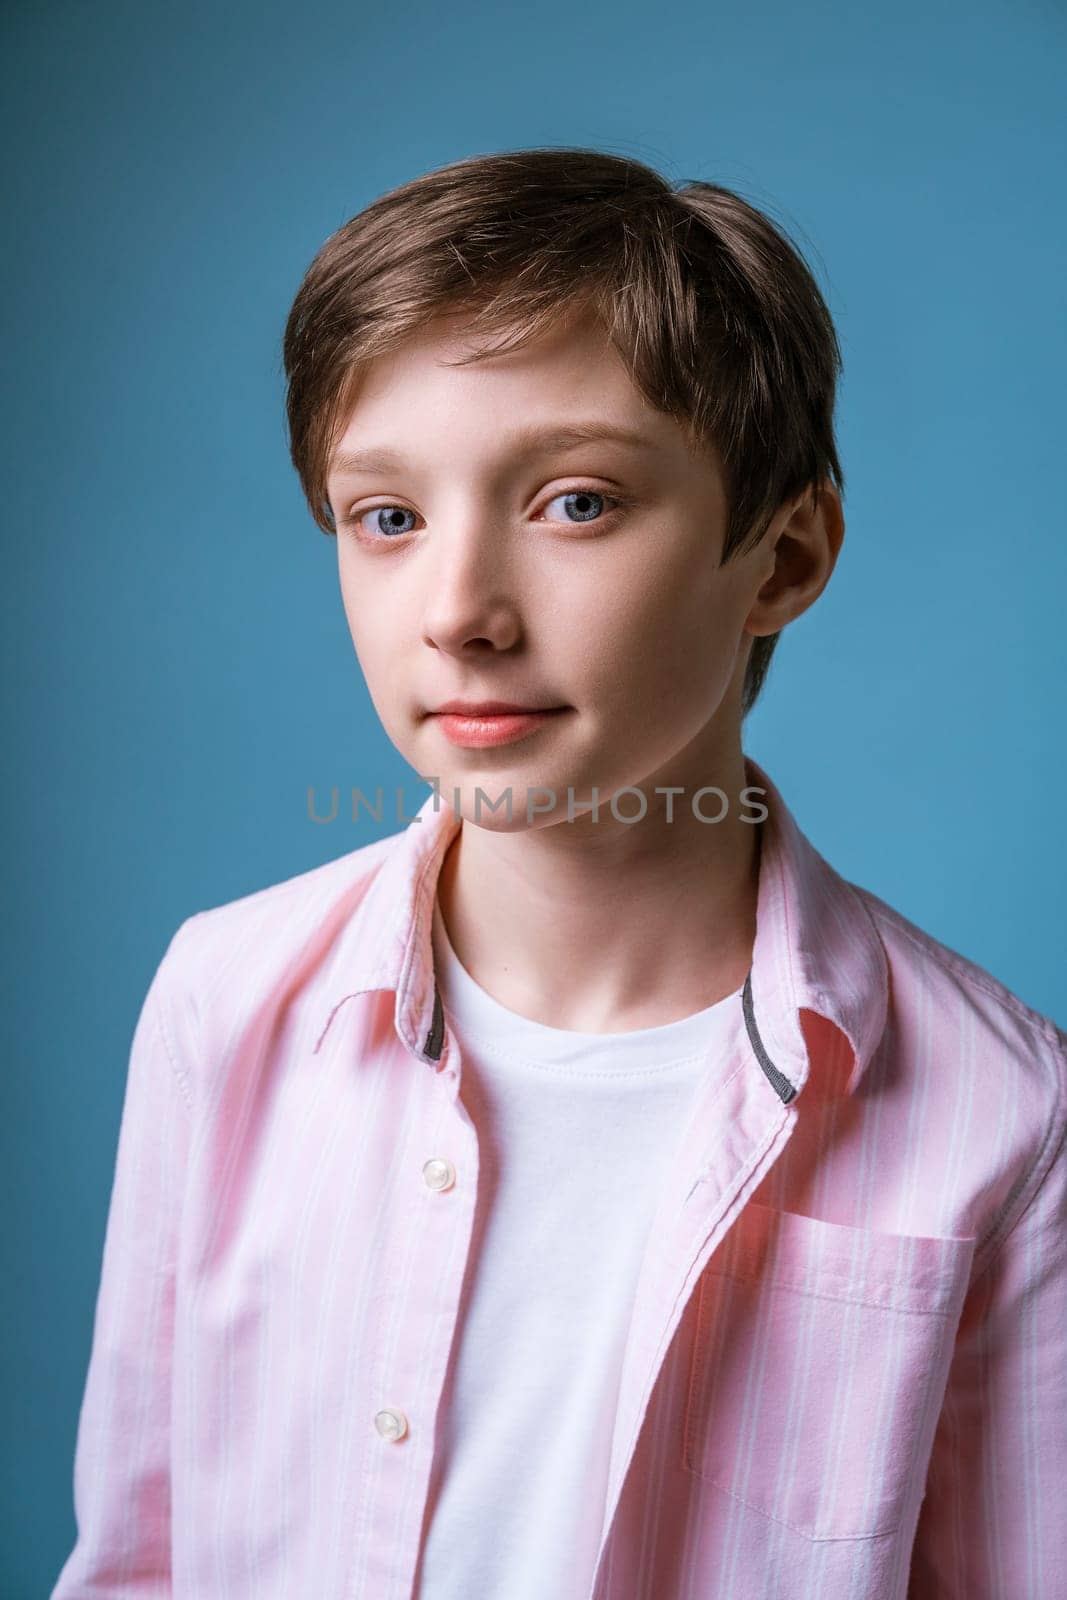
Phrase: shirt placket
x=416 y=1317
x=742 y=1123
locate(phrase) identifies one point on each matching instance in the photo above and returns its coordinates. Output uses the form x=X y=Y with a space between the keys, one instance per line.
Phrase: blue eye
x=587 y=504
x=394 y=521
x=390 y=519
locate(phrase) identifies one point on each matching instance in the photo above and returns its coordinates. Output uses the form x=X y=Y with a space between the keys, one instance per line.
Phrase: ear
x=802 y=546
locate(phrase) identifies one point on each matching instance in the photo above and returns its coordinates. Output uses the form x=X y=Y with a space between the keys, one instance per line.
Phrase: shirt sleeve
x=994 y=1518
x=122 y=1487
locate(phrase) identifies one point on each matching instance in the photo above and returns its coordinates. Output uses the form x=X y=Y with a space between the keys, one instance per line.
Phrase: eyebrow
x=527 y=442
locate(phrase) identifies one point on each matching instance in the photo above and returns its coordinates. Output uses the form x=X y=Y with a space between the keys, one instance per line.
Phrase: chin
x=483 y=800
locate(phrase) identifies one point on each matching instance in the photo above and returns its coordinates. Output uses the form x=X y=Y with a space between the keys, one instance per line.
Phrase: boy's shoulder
x=986 y=1068
x=235 y=952
x=951 y=986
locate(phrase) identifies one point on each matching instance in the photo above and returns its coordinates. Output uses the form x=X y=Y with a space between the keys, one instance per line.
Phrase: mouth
x=482 y=728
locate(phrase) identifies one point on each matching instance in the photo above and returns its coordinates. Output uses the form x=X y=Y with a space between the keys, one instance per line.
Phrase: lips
x=477 y=731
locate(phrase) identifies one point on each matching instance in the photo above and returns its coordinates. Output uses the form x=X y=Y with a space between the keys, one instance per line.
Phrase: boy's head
x=641 y=585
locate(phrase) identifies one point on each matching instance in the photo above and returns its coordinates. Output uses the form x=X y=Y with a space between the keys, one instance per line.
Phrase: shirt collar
x=816 y=947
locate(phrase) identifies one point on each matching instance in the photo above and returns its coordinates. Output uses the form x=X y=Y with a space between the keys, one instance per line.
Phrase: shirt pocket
x=819 y=1361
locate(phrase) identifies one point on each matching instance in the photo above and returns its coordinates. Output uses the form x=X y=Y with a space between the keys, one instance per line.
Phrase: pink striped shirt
x=844 y=1373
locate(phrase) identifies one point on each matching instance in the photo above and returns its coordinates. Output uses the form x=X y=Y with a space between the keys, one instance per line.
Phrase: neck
x=603 y=926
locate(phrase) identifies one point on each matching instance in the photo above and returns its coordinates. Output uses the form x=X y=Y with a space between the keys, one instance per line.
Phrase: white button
x=439 y=1173
x=391 y=1424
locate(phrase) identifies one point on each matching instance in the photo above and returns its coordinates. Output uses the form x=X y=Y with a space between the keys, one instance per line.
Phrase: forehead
x=566 y=384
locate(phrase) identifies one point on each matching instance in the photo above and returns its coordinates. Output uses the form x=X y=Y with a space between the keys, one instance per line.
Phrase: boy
x=583 y=1193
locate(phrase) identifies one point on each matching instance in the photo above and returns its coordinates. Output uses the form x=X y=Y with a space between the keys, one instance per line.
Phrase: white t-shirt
x=573 y=1132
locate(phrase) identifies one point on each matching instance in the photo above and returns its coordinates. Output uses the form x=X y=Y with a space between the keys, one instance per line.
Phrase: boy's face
x=481 y=565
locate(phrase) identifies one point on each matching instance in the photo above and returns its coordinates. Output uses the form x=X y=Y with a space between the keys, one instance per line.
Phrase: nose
x=470 y=596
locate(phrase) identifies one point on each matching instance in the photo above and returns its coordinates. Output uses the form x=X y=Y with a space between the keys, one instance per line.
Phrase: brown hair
x=711 y=307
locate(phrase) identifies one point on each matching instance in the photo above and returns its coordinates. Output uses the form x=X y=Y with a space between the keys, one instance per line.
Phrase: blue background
x=178 y=669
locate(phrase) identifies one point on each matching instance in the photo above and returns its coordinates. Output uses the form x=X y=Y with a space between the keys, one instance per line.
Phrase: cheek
x=373 y=636
x=655 y=639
